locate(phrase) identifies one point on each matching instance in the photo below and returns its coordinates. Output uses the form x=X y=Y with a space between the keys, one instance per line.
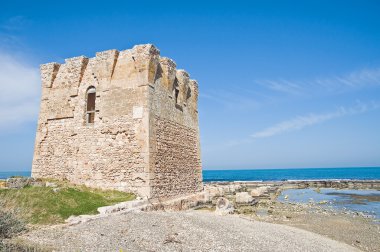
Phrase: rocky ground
x=181 y=231
x=260 y=202
x=232 y=217
x=350 y=228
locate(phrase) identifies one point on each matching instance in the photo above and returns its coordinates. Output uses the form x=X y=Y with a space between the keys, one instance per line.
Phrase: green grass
x=41 y=205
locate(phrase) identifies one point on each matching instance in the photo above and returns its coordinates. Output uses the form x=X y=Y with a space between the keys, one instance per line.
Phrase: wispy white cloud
x=301 y=122
x=14 y=23
x=8 y=32
x=266 y=92
x=334 y=84
x=20 y=89
x=296 y=123
x=284 y=86
x=231 y=100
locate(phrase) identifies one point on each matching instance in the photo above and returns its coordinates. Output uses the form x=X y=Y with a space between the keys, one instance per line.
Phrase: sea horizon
x=341 y=173
x=270 y=174
x=286 y=168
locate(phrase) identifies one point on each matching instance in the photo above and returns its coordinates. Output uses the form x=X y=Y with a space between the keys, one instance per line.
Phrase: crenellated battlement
x=142 y=64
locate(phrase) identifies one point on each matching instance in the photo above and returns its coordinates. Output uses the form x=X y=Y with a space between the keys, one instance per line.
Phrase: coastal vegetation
x=44 y=203
x=52 y=205
x=9 y=225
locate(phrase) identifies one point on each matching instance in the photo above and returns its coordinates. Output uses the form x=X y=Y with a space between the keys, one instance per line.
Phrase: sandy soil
x=181 y=231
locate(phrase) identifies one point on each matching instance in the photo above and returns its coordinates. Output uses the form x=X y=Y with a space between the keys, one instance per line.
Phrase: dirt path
x=182 y=231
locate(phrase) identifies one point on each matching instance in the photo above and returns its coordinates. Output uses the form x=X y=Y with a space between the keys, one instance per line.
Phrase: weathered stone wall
x=138 y=141
x=174 y=134
x=177 y=167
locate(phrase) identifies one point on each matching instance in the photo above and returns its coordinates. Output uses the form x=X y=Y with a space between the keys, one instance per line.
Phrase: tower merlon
x=148 y=49
x=48 y=73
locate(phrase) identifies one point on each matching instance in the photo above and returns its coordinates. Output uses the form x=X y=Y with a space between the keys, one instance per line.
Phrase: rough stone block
x=243 y=197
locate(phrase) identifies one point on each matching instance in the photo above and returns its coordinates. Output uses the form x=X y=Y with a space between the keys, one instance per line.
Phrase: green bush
x=9 y=225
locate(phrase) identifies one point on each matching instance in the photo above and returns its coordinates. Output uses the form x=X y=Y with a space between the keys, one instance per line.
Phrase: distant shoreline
x=296 y=174
x=267 y=175
x=294 y=181
x=328 y=183
x=294 y=168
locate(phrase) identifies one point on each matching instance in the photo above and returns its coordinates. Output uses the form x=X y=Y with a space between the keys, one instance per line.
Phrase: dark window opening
x=176 y=93
x=90 y=111
x=90 y=117
x=188 y=94
x=91 y=102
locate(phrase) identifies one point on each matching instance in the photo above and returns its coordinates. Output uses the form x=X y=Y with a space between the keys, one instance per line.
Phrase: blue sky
x=282 y=83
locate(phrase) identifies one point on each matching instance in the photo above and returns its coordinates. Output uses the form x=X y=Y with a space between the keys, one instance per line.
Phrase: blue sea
x=7 y=174
x=361 y=173
x=365 y=201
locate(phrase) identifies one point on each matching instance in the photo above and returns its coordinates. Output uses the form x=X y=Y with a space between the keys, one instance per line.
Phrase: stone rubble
x=224 y=206
x=243 y=197
x=20 y=182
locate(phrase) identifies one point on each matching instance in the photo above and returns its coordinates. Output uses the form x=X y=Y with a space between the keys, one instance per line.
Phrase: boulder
x=19 y=182
x=56 y=189
x=257 y=192
x=124 y=206
x=37 y=183
x=51 y=184
x=243 y=198
x=3 y=183
x=233 y=188
x=214 y=191
x=224 y=206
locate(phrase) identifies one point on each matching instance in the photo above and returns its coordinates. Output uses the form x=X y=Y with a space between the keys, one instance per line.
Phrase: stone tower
x=123 y=120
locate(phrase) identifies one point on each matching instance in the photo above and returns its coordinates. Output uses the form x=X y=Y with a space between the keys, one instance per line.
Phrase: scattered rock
x=215 y=191
x=257 y=192
x=50 y=184
x=243 y=197
x=56 y=189
x=124 y=206
x=233 y=188
x=224 y=206
x=211 y=192
x=172 y=239
x=19 y=182
x=38 y=183
x=74 y=220
x=3 y=183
